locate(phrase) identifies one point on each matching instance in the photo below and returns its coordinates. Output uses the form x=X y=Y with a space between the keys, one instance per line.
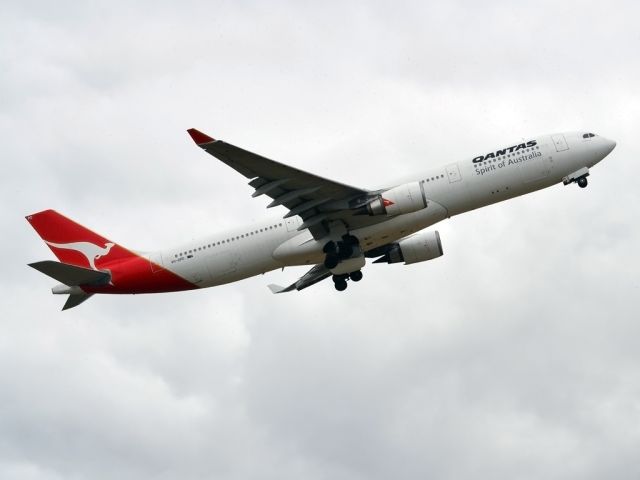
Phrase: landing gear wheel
x=345 y=250
x=582 y=182
x=356 y=276
x=341 y=285
x=330 y=247
x=350 y=240
x=331 y=261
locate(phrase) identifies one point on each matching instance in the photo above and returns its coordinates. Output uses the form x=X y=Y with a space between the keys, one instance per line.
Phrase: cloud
x=511 y=356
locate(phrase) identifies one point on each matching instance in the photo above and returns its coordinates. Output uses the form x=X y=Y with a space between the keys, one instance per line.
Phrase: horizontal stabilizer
x=71 y=275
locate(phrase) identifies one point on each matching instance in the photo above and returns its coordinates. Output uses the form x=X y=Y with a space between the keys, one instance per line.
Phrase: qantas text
x=504 y=151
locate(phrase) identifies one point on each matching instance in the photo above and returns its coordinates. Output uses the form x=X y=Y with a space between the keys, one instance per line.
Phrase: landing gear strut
x=579 y=177
x=338 y=251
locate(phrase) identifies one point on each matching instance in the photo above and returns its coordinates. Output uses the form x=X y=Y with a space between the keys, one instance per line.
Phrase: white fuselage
x=451 y=189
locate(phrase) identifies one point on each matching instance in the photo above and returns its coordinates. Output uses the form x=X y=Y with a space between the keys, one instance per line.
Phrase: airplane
x=329 y=226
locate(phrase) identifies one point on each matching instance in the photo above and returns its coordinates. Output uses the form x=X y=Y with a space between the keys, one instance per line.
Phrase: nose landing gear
x=579 y=177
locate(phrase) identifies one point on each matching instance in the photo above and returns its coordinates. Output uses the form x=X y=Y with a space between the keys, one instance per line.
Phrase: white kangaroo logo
x=89 y=250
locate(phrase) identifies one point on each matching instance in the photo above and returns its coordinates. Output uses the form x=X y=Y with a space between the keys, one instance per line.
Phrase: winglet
x=199 y=137
x=275 y=288
x=278 y=289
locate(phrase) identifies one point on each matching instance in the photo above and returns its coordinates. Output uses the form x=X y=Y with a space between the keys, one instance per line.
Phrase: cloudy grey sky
x=513 y=356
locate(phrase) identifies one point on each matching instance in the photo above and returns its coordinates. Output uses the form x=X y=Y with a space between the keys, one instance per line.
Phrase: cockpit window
x=588 y=135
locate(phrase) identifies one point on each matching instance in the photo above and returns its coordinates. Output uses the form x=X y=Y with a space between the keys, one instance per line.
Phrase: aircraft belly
x=243 y=262
x=222 y=265
x=400 y=226
x=193 y=271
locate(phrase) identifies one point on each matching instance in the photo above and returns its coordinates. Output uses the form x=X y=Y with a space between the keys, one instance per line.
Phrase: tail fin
x=74 y=244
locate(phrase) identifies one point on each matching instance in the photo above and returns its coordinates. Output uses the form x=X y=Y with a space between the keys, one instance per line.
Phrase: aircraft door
x=453 y=173
x=155 y=259
x=560 y=142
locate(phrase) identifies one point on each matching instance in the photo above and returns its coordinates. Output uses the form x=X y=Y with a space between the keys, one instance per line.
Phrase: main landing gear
x=340 y=281
x=337 y=252
x=582 y=182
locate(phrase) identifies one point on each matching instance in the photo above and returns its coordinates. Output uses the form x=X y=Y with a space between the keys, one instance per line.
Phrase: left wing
x=314 y=198
x=313 y=276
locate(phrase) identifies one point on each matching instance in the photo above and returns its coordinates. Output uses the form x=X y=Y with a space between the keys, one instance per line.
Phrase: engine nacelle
x=417 y=248
x=406 y=198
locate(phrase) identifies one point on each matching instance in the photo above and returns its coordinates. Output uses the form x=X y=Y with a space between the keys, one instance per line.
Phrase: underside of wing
x=315 y=199
x=313 y=276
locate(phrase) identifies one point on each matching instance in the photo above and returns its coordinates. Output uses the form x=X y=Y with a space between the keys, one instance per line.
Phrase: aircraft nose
x=609 y=145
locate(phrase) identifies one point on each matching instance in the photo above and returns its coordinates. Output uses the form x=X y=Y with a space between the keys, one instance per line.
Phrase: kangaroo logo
x=91 y=251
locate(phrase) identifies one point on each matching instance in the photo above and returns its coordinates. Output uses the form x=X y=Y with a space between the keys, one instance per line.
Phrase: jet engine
x=406 y=198
x=416 y=248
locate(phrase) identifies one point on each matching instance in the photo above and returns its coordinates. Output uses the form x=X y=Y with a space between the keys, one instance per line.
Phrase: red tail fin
x=74 y=244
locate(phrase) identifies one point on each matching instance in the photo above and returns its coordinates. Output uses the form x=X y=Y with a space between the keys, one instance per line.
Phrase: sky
x=513 y=356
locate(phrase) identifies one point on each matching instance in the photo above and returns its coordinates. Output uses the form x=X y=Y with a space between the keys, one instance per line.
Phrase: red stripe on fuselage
x=135 y=275
x=74 y=244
